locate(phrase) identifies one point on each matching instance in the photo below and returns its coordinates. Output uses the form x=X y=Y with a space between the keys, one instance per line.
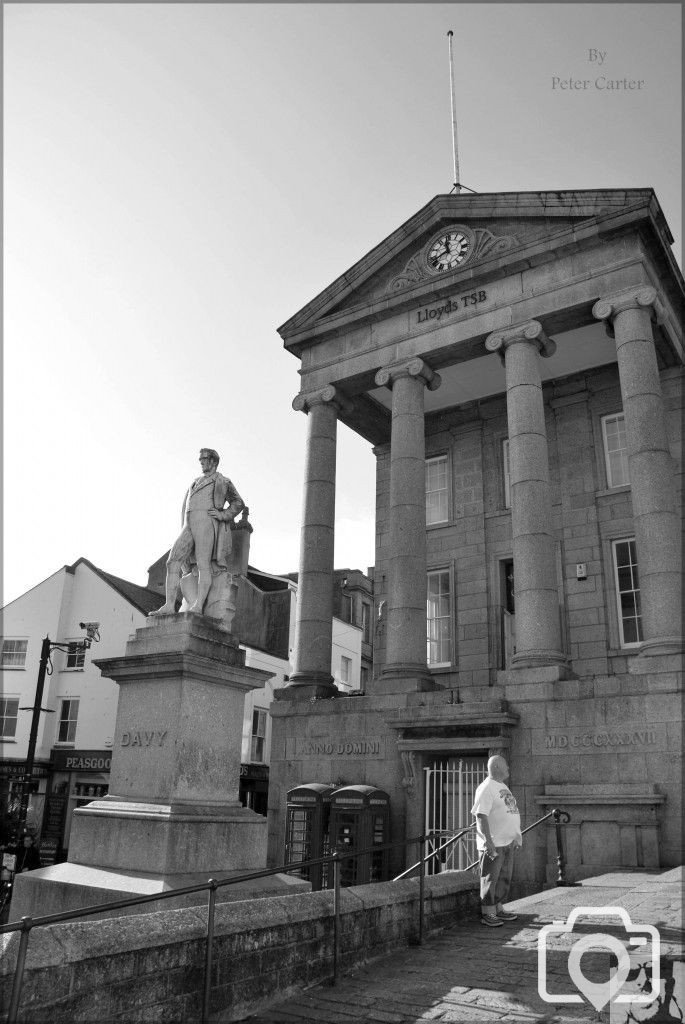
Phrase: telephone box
x=306 y=833
x=360 y=820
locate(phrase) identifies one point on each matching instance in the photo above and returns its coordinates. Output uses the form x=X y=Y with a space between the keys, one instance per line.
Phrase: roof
x=142 y=598
x=561 y=211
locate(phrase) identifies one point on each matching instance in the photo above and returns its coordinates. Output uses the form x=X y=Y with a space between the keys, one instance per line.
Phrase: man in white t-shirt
x=498 y=825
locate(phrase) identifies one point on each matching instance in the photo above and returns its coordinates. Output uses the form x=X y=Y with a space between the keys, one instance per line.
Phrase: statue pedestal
x=173 y=808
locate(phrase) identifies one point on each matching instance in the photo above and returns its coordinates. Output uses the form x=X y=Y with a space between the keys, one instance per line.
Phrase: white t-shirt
x=497 y=801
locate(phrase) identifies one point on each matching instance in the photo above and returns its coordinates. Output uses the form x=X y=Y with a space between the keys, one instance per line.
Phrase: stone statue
x=203 y=551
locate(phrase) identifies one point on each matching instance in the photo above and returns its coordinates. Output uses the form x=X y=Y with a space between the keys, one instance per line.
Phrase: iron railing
x=212 y=885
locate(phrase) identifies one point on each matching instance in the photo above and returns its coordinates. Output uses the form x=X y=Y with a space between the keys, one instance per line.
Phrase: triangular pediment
x=484 y=234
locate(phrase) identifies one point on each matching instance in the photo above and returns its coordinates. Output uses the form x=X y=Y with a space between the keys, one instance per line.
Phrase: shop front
x=254 y=787
x=78 y=776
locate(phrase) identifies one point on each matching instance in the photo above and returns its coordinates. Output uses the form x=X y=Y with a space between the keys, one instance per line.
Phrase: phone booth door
x=347 y=838
x=360 y=818
x=306 y=836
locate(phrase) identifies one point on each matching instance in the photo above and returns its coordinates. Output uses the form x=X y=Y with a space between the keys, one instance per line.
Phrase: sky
x=180 y=179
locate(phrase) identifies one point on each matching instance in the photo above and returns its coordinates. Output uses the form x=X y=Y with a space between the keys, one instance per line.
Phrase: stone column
x=628 y=316
x=314 y=620
x=406 y=667
x=538 y=627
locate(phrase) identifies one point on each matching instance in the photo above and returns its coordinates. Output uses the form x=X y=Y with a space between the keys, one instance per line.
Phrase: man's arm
x=235 y=505
x=483 y=826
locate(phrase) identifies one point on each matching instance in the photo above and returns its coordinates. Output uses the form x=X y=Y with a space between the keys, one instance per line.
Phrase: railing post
x=211 y=904
x=26 y=925
x=561 y=863
x=422 y=885
x=336 y=915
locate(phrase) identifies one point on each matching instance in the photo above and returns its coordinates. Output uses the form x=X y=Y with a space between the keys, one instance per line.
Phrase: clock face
x=448 y=251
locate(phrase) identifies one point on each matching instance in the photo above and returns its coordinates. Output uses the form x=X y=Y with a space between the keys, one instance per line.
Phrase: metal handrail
x=28 y=923
x=434 y=853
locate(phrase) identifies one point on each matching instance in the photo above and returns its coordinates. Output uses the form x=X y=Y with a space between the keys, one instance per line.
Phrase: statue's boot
x=204 y=582
x=169 y=606
x=166 y=609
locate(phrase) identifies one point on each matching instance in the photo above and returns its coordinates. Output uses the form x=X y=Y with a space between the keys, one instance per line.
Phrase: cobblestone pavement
x=472 y=973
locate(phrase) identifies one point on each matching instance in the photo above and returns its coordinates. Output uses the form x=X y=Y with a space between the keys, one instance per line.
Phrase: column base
x=533 y=674
x=661 y=645
x=538 y=659
x=404 y=678
x=308 y=686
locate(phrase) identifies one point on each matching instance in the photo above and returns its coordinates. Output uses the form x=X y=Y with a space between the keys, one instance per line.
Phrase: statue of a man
x=205 y=539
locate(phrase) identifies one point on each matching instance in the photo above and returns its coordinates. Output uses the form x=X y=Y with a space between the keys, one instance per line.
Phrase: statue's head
x=209 y=453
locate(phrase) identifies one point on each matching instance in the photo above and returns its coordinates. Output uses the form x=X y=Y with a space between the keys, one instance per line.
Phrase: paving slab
x=471 y=973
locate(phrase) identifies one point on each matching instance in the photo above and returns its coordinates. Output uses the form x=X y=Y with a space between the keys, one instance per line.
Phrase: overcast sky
x=182 y=178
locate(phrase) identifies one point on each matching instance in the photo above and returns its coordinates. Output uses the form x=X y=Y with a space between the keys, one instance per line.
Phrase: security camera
x=91 y=628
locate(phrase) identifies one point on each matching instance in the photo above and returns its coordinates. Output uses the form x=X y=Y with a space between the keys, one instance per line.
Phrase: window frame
x=449 y=616
x=258 y=737
x=634 y=567
x=68 y=721
x=78 y=655
x=345 y=669
x=346 y=608
x=366 y=622
x=442 y=457
x=604 y=420
x=3 y=653
x=5 y=717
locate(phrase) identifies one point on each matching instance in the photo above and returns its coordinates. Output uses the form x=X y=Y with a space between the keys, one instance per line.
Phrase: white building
x=75 y=733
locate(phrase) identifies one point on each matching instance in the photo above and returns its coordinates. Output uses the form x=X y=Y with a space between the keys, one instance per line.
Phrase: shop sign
x=15 y=770
x=81 y=760
x=254 y=771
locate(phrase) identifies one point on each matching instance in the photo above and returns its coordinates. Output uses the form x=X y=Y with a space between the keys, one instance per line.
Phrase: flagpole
x=457 y=185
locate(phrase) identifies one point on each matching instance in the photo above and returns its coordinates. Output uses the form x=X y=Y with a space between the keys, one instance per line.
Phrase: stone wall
x=587 y=516
x=151 y=968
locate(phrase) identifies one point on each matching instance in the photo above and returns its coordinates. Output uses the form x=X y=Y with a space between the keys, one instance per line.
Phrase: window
x=615 y=450
x=9 y=709
x=506 y=479
x=436 y=490
x=258 y=745
x=366 y=622
x=14 y=653
x=76 y=654
x=439 y=615
x=346 y=607
x=627 y=592
x=364 y=677
x=345 y=669
x=66 y=730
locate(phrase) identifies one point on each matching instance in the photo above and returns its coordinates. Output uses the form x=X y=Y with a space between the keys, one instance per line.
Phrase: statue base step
x=62 y=887
x=167 y=839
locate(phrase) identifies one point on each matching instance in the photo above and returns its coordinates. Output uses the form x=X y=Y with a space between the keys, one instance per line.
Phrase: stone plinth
x=173 y=802
x=173 y=810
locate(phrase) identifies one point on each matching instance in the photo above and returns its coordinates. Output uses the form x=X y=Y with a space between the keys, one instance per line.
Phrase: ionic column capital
x=413 y=368
x=531 y=331
x=639 y=296
x=328 y=395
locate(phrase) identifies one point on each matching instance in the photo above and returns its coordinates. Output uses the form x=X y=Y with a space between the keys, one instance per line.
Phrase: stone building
x=516 y=361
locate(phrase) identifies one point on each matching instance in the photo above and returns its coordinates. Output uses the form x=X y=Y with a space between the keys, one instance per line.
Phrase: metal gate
x=450 y=786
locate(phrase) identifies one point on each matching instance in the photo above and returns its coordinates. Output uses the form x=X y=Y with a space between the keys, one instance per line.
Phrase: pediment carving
x=485 y=244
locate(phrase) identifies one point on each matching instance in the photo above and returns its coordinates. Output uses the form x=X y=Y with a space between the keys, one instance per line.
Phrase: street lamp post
x=47 y=647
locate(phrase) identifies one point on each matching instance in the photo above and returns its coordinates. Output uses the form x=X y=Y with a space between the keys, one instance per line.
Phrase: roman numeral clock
x=448 y=250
